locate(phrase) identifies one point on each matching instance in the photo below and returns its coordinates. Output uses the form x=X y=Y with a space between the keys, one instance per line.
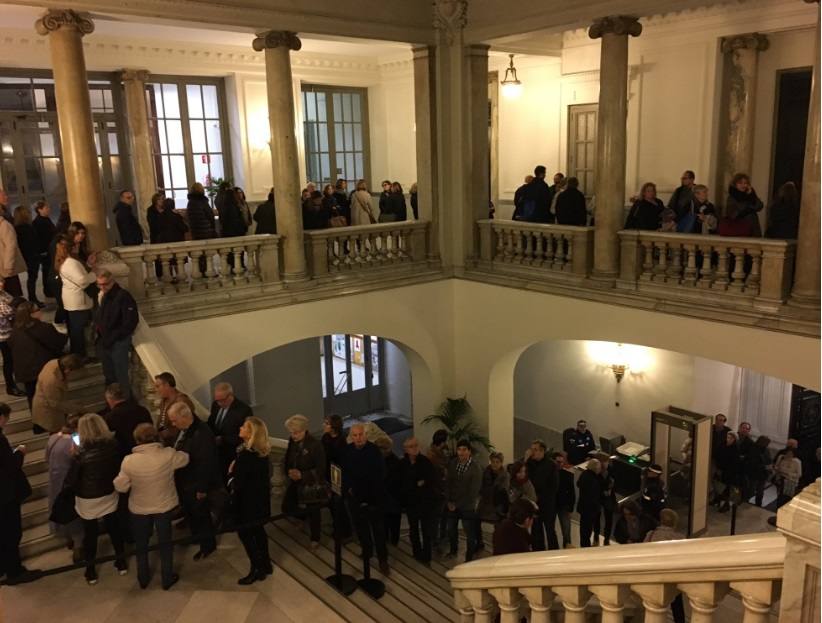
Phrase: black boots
x=253 y=576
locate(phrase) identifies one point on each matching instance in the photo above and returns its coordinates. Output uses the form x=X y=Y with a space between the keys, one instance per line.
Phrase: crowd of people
x=336 y=206
x=688 y=210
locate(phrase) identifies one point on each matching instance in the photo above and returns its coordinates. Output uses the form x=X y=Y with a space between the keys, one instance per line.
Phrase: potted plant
x=457 y=417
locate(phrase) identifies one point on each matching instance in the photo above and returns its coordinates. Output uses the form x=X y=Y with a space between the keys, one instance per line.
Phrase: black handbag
x=313 y=494
x=62 y=510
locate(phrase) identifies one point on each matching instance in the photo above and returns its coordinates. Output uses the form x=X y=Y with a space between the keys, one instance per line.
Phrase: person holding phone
x=61 y=449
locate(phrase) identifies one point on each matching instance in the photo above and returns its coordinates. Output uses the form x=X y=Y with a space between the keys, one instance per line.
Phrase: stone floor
x=207 y=591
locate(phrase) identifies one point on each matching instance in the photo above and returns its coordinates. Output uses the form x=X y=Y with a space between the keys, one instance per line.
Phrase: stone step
x=35 y=511
x=39 y=485
x=92 y=402
x=38 y=540
x=27 y=438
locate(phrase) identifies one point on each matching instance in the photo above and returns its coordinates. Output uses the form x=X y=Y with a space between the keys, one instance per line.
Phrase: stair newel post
x=345 y=584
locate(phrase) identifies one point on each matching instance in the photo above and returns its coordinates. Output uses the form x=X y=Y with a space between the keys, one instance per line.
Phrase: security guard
x=654 y=495
x=579 y=443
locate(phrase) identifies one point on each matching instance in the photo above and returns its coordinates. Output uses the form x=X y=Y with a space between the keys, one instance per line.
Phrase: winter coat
x=334 y=447
x=361 y=211
x=50 y=406
x=308 y=456
x=315 y=216
x=232 y=223
x=11 y=260
x=509 y=538
x=539 y=193
x=343 y=204
x=131 y=233
x=251 y=486
x=393 y=484
x=27 y=241
x=200 y=217
x=518 y=490
x=14 y=486
x=463 y=491
x=148 y=475
x=745 y=206
x=645 y=215
x=165 y=226
x=32 y=347
x=635 y=533
x=122 y=419
x=364 y=474
x=393 y=209
x=95 y=467
x=75 y=280
x=571 y=208
x=117 y=316
x=420 y=483
x=590 y=492
x=680 y=200
x=545 y=478
x=201 y=475
x=493 y=494
x=44 y=232
x=266 y=217
x=783 y=219
x=566 y=493
x=729 y=465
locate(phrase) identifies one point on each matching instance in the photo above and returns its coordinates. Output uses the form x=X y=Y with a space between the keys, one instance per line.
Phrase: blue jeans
x=142 y=526
x=77 y=322
x=115 y=363
x=470 y=523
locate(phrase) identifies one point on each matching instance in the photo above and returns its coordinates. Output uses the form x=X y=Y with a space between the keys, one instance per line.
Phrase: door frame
x=571 y=132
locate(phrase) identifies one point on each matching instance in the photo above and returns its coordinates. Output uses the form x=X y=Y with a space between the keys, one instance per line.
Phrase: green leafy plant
x=457 y=417
x=213 y=184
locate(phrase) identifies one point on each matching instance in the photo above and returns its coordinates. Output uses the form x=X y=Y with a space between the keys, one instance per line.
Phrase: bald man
x=420 y=497
x=227 y=416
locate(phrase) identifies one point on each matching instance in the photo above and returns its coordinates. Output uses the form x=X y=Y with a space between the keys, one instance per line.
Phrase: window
x=336 y=134
x=349 y=363
x=188 y=133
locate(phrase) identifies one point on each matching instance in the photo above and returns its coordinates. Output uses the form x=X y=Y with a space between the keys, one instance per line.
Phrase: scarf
x=741 y=197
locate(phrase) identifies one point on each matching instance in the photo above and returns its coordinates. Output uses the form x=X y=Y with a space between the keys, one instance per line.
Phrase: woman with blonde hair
x=96 y=464
x=362 y=213
x=251 y=489
x=200 y=215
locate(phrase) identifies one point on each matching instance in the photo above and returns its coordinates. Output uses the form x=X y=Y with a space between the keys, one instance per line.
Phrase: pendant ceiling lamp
x=511 y=85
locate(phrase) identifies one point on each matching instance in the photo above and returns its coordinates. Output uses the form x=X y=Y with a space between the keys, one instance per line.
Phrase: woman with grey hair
x=304 y=467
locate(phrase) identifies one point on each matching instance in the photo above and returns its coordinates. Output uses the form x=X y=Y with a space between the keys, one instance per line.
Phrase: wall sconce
x=511 y=85
x=619 y=364
x=620 y=358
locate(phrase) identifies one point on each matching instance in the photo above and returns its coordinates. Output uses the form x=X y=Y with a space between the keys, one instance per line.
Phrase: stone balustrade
x=621 y=580
x=156 y=270
x=756 y=269
x=548 y=250
x=337 y=251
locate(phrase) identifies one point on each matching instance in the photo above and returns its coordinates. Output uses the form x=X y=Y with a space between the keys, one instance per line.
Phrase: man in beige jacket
x=50 y=406
x=11 y=260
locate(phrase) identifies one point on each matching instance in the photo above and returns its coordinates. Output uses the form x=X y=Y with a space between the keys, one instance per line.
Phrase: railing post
x=630 y=256
x=798 y=521
x=656 y=599
x=704 y=598
x=757 y=597
x=582 y=252
x=509 y=601
x=486 y=235
x=416 y=240
x=319 y=255
x=540 y=601
x=612 y=600
x=136 y=276
x=775 y=274
x=574 y=600
x=269 y=260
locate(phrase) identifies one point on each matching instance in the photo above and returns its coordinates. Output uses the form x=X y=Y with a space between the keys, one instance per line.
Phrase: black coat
x=232 y=223
x=308 y=456
x=509 y=538
x=412 y=197
x=117 y=316
x=543 y=475
x=566 y=492
x=44 y=232
x=200 y=217
x=94 y=469
x=539 y=193
x=127 y=225
x=393 y=483
x=680 y=201
x=395 y=204
x=364 y=473
x=229 y=429
x=420 y=483
x=33 y=347
x=27 y=242
x=251 y=486
x=571 y=208
x=201 y=475
x=609 y=501
x=334 y=447
x=123 y=419
x=590 y=492
x=718 y=441
x=727 y=460
x=315 y=217
x=165 y=226
x=343 y=204
x=578 y=445
x=623 y=535
x=14 y=486
x=783 y=219
x=266 y=217
x=646 y=215
x=758 y=460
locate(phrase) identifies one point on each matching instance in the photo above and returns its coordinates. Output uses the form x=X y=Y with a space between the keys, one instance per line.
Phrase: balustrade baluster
x=355 y=252
x=225 y=267
x=539 y=249
x=528 y=252
x=550 y=250
x=661 y=266
x=165 y=266
x=509 y=601
x=499 y=232
x=689 y=274
x=463 y=607
x=612 y=599
x=674 y=272
x=384 y=251
x=240 y=265
x=198 y=276
x=648 y=263
x=738 y=275
x=757 y=598
x=371 y=249
x=209 y=256
x=402 y=245
x=568 y=244
x=574 y=600
x=518 y=246
x=540 y=601
x=656 y=600
x=704 y=598
x=721 y=273
x=252 y=267
x=151 y=273
x=755 y=276
x=482 y=604
x=509 y=244
x=707 y=273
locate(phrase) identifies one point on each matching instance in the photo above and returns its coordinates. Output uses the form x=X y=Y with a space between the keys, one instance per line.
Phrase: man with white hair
x=227 y=416
x=364 y=484
x=117 y=319
x=199 y=477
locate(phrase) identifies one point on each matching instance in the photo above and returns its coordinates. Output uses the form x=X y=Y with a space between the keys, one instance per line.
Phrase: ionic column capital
x=615 y=25
x=135 y=75
x=276 y=39
x=450 y=16
x=55 y=19
x=748 y=41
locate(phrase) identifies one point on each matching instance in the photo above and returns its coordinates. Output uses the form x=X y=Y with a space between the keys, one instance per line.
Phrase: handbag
x=337 y=220
x=313 y=494
x=62 y=510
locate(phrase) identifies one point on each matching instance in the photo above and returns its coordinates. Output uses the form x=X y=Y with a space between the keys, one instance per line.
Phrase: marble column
x=742 y=53
x=805 y=291
x=142 y=160
x=65 y=29
x=611 y=138
x=284 y=154
x=478 y=181
x=425 y=117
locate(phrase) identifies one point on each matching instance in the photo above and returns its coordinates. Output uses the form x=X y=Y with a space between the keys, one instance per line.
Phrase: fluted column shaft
x=611 y=138
x=284 y=153
x=65 y=29
x=426 y=123
x=139 y=137
x=806 y=287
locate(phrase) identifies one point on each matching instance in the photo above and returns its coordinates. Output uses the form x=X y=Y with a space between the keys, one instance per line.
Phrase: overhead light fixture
x=511 y=85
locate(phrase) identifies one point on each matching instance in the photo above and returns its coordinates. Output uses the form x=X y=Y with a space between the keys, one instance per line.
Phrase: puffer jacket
x=200 y=217
x=95 y=468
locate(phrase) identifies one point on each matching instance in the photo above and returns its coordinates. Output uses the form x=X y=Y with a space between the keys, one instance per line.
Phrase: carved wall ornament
x=616 y=25
x=748 y=41
x=450 y=16
x=55 y=19
x=276 y=39
x=140 y=75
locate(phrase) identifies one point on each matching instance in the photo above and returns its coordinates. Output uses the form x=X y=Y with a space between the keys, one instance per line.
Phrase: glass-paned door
x=582 y=145
x=351 y=367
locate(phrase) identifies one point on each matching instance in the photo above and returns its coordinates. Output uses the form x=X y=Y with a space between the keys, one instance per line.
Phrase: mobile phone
x=75 y=437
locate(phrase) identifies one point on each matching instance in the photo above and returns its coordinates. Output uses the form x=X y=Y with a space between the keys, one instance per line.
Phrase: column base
x=603 y=279
x=294 y=278
x=809 y=300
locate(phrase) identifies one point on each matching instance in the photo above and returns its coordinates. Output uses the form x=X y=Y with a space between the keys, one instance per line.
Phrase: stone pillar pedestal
x=65 y=29
x=284 y=155
x=798 y=520
x=145 y=176
x=805 y=291
x=611 y=138
x=425 y=115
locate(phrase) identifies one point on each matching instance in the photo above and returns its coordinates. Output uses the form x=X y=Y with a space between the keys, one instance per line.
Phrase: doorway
x=793 y=97
x=352 y=373
x=582 y=146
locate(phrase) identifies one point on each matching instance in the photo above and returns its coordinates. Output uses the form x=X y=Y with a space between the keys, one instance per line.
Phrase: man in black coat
x=536 y=199
x=566 y=496
x=571 y=208
x=123 y=415
x=128 y=226
x=266 y=216
x=420 y=494
x=364 y=484
x=542 y=470
x=227 y=416
x=681 y=198
x=589 y=504
x=14 y=489
x=197 y=479
x=44 y=232
x=117 y=319
x=519 y=193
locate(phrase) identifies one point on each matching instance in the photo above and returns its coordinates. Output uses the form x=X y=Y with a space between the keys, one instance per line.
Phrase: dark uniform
x=578 y=445
x=654 y=496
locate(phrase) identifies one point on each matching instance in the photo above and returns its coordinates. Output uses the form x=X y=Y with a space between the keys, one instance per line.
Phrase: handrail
x=335 y=232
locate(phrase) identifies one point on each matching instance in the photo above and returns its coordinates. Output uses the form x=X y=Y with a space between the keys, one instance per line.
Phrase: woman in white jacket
x=361 y=211
x=76 y=302
x=148 y=472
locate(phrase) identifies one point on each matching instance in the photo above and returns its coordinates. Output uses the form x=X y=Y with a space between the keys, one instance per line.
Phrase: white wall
x=397 y=381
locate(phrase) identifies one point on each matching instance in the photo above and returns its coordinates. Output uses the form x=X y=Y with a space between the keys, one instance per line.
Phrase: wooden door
x=582 y=145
